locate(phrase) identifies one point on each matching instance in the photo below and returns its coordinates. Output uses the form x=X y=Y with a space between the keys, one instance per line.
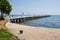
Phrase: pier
x=24 y=18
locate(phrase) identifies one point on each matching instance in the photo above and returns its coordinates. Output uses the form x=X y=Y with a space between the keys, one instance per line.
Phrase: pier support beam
x=18 y=20
x=23 y=19
x=12 y=20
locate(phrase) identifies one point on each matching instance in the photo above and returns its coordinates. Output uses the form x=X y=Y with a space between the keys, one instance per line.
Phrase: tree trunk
x=2 y=18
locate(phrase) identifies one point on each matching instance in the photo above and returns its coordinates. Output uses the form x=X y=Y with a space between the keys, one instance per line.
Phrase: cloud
x=50 y=12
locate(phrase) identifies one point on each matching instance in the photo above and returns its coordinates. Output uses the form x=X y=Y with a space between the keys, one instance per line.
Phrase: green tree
x=5 y=7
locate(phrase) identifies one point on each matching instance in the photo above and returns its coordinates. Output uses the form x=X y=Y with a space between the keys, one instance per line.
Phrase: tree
x=5 y=7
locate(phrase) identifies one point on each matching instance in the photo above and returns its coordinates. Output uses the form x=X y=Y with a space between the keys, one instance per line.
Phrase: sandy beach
x=33 y=33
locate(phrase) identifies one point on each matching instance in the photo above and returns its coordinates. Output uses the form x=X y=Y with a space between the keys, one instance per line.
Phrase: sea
x=48 y=22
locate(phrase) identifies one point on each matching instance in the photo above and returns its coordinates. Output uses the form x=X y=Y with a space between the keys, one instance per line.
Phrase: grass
x=4 y=33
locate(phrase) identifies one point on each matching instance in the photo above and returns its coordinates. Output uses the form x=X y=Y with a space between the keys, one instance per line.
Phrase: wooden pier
x=24 y=18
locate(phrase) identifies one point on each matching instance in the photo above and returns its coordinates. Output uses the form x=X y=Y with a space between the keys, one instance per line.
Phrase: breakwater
x=23 y=19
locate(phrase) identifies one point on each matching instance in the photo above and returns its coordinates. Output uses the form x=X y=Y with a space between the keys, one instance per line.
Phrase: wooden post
x=24 y=19
x=21 y=19
x=18 y=20
x=15 y=20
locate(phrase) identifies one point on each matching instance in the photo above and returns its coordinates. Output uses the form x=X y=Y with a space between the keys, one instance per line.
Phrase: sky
x=35 y=7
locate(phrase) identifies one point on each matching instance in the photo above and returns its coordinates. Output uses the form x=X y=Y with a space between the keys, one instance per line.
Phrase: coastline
x=33 y=33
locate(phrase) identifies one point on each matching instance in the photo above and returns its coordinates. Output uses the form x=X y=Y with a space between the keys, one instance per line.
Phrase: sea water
x=50 y=22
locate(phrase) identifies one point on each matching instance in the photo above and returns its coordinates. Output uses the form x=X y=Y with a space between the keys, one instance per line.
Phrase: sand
x=33 y=33
x=2 y=24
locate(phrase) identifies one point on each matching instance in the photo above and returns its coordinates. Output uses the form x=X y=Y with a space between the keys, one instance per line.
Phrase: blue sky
x=35 y=7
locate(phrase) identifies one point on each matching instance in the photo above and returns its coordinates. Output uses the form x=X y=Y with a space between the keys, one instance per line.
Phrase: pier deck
x=20 y=19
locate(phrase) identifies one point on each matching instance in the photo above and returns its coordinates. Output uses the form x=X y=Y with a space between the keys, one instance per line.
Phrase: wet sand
x=33 y=33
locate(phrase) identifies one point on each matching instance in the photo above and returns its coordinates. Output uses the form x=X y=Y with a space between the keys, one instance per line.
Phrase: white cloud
x=50 y=12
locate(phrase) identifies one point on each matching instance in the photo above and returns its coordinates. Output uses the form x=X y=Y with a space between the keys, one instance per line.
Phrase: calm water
x=50 y=22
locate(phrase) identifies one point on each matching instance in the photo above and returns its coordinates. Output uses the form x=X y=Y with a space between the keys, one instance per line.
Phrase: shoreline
x=33 y=33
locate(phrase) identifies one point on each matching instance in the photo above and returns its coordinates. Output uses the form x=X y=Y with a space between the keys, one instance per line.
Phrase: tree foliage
x=5 y=7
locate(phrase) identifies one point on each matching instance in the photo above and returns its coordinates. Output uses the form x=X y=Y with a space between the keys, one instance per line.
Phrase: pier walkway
x=19 y=19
